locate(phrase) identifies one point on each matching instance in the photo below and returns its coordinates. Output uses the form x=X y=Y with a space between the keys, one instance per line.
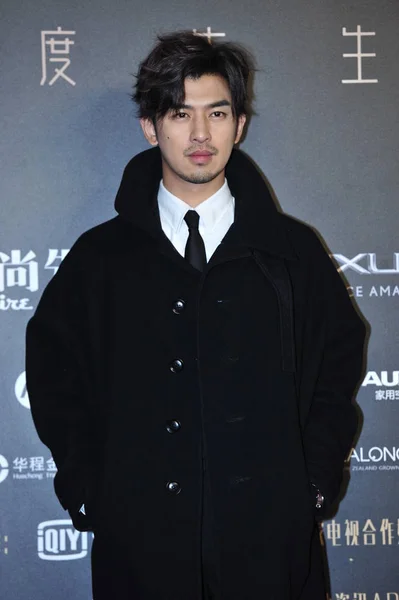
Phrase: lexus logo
x=367 y=264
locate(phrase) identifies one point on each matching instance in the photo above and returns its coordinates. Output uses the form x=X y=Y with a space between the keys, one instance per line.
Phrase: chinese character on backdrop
x=369 y=536
x=359 y=55
x=20 y=463
x=16 y=271
x=209 y=34
x=386 y=532
x=54 y=259
x=36 y=463
x=55 y=49
x=334 y=532
x=352 y=533
x=51 y=466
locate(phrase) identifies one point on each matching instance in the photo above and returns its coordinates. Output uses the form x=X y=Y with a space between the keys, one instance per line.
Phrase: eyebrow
x=212 y=105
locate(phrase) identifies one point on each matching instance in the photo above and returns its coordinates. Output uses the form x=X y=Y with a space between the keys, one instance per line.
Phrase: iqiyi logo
x=59 y=540
x=3 y=468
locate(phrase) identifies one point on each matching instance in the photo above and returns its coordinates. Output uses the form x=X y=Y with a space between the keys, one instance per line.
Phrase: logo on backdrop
x=374 y=266
x=373 y=458
x=19 y=273
x=21 y=392
x=59 y=540
x=3 y=468
x=33 y=467
x=369 y=264
x=55 y=49
x=383 y=384
x=359 y=55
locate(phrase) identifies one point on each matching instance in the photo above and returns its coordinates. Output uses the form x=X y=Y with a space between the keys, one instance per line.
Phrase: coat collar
x=257 y=223
x=173 y=210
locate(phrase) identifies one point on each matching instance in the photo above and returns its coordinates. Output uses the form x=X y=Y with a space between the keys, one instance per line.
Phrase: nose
x=200 y=132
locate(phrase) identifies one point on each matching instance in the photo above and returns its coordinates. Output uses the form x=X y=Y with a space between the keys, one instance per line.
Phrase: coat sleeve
x=57 y=379
x=332 y=420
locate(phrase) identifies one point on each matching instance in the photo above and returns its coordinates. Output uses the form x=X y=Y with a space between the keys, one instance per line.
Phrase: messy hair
x=160 y=78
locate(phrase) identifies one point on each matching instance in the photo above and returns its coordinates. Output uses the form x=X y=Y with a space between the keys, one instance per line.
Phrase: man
x=192 y=363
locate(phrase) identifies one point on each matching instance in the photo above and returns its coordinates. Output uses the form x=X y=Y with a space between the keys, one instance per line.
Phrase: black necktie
x=195 y=249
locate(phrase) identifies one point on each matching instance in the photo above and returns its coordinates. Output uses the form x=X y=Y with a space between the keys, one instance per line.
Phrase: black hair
x=160 y=77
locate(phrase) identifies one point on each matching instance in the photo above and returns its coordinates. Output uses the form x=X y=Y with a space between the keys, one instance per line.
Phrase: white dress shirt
x=216 y=216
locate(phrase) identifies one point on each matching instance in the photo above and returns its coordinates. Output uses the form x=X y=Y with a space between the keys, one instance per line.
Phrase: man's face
x=203 y=123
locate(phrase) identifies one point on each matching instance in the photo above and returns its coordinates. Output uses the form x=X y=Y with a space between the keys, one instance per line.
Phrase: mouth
x=200 y=157
x=201 y=153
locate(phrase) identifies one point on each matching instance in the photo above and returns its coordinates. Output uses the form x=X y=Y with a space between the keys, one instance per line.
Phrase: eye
x=219 y=113
x=178 y=114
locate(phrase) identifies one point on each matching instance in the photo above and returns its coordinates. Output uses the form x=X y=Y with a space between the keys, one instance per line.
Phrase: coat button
x=178 y=306
x=173 y=487
x=172 y=426
x=176 y=365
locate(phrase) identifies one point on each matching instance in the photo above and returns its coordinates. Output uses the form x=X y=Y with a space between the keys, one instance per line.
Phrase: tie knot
x=192 y=219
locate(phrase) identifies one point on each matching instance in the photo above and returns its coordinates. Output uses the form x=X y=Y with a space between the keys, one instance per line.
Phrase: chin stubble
x=199 y=177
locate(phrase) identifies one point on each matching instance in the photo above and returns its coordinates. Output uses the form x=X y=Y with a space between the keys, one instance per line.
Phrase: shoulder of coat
x=299 y=232
x=308 y=243
x=110 y=234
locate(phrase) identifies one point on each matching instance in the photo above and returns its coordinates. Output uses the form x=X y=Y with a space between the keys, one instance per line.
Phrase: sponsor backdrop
x=326 y=136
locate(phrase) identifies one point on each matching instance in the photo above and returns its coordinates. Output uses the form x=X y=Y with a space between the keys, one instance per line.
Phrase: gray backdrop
x=325 y=135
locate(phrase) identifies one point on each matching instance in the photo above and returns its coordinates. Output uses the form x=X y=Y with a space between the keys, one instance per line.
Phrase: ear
x=149 y=131
x=240 y=126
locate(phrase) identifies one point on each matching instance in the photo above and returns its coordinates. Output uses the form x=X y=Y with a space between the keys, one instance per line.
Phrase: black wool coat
x=149 y=380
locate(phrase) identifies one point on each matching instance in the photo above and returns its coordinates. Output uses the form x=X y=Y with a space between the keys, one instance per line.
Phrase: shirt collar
x=211 y=210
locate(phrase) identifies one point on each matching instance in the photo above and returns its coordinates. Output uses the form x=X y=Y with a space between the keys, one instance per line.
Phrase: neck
x=192 y=193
